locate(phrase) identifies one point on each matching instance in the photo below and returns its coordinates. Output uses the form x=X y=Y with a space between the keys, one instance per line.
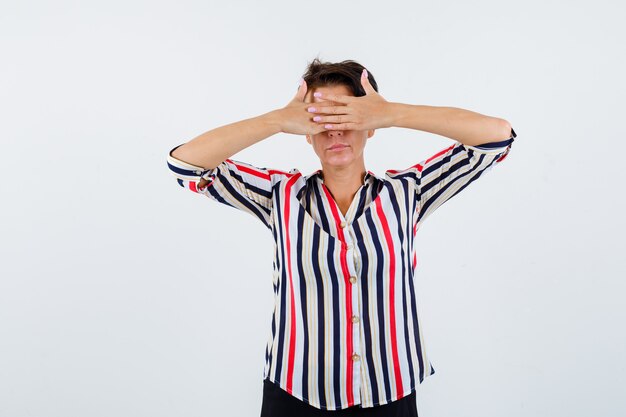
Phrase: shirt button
x=353 y=279
x=355 y=319
x=355 y=357
x=343 y=224
x=198 y=172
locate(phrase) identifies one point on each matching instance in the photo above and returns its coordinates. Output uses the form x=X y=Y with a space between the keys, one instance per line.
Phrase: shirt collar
x=317 y=176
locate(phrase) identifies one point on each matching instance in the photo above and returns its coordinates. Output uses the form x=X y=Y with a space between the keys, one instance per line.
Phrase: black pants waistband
x=279 y=403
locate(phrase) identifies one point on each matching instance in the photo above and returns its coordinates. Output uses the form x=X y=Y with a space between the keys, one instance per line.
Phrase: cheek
x=317 y=147
x=360 y=148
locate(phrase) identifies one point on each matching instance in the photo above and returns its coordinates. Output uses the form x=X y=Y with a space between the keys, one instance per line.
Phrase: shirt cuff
x=496 y=147
x=186 y=171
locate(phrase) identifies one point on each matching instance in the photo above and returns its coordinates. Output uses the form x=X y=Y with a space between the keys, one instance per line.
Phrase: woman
x=345 y=336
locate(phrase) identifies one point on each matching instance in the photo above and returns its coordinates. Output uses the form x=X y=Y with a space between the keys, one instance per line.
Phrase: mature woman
x=345 y=335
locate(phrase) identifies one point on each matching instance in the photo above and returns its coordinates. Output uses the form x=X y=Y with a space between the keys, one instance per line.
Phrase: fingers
x=301 y=90
x=335 y=97
x=325 y=105
x=341 y=126
x=365 y=82
x=319 y=129
x=321 y=108
x=332 y=119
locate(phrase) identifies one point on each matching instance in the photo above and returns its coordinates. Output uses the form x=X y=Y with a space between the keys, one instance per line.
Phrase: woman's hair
x=346 y=73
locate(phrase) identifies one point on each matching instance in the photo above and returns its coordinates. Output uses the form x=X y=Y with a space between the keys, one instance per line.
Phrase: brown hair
x=346 y=73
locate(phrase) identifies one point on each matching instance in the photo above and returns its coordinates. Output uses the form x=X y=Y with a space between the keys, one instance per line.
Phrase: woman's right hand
x=296 y=119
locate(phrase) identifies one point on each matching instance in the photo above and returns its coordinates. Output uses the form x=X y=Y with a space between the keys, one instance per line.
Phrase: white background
x=123 y=294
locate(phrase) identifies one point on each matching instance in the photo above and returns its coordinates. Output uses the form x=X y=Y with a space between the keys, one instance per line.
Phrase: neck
x=344 y=182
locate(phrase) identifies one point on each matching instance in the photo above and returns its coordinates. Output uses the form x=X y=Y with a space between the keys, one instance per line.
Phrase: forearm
x=213 y=147
x=465 y=126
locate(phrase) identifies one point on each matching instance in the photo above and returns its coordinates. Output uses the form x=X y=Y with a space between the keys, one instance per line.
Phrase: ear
x=307 y=96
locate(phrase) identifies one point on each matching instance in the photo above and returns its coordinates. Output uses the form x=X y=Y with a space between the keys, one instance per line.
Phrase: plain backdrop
x=123 y=294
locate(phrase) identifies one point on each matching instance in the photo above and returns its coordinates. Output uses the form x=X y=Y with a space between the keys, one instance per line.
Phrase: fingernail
x=317 y=118
x=311 y=109
x=328 y=126
x=364 y=72
x=318 y=94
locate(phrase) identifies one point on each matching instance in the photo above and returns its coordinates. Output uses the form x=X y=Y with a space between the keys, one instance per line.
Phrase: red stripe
x=192 y=187
x=257 y=173
x=439 y=153
x=292 y=337
x=277 y=171
x=503 y=156
x=419 y=166
x=346 y=274
x=395 y=171
x=392 y=310
x=249 y=170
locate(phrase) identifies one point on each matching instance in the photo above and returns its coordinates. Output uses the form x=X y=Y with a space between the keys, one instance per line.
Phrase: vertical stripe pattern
x=345 y=328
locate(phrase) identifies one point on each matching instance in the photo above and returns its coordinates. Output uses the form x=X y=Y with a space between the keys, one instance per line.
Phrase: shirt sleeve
x=237 y=184
x=446 y=173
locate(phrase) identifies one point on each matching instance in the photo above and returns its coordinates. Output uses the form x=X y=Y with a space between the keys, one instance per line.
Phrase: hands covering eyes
x=370 y=111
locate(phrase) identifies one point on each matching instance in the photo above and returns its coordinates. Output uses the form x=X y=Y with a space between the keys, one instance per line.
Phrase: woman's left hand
x=370 y=111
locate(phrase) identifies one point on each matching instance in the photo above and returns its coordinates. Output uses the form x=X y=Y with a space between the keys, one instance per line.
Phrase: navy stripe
x=445 y=174
x=186 y=172
x=362 y=200
x=250 y=187
x=303 y=303
x=283 y=294
x=475 y=177
x=253 y=209
x=405 y=276
x=336 y=341
x=380 y=300
x=494 y=145
x=366 y=319
x=218 y=197
x=434 y=198
x=320 y=209
x=321 y=319
x=408 y=197
x=429 y=167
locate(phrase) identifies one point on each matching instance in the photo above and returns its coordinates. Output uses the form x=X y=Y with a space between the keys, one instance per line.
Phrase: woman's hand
x=295 y=118
x=370 y=111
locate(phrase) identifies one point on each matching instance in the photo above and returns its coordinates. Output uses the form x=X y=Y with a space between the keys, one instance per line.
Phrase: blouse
x=345 y=328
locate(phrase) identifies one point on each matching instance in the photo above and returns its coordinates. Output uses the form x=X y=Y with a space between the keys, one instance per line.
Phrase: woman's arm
x=372 y=111
x=465 y=126
x=211 y=148
x=215 y=146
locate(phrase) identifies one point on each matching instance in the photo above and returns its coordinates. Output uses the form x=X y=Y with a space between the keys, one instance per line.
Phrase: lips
x=337 y=146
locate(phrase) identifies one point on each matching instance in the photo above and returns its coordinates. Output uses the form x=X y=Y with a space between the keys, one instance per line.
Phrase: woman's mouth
x=337 y=147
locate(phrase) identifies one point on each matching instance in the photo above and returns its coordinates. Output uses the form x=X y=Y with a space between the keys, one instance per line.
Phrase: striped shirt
x=345 y=328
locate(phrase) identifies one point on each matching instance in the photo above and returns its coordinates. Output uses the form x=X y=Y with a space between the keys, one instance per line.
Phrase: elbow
x=505 y=129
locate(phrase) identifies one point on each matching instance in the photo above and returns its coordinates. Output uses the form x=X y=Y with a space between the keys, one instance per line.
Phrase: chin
x=339 y=161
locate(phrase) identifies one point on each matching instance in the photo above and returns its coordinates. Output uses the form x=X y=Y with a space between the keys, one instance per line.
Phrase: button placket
x=349 y=242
